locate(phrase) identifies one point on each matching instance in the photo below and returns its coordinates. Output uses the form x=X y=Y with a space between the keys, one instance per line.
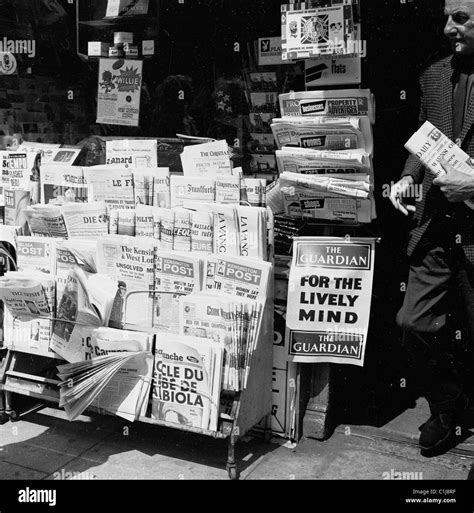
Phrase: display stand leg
x=316 y=419
x=231 y=465
x=4 y=418
x=9 y=411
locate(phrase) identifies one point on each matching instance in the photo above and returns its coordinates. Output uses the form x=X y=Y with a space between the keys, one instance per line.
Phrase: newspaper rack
x=250 y=406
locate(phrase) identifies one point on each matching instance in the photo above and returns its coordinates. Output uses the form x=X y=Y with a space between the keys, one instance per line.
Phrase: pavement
x=44 y=445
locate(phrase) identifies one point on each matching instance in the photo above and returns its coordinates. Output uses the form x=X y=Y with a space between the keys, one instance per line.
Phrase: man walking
x=441 y=246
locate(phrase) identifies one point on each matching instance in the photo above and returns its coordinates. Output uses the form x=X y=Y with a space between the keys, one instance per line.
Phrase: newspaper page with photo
x=36 y=254
x=112 y=185
x=46 y=221
x=131 y=153
x=131 y=262
x=186 y=381
x=86 y=301
x=207 y=160
x=28 y=294
x=176 y=275
x=63 y=183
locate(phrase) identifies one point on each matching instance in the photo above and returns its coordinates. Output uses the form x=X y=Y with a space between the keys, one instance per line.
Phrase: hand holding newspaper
x=431 y=146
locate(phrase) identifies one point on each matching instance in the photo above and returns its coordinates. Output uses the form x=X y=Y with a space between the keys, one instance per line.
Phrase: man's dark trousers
x=438 y=307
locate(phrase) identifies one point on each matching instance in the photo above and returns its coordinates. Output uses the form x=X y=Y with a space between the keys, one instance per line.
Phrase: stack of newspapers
x=324 y=156
x=153 y=286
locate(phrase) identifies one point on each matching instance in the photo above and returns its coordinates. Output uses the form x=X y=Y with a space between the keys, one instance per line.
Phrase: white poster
x=329 y=298
x=118 y=97
x=309 y=32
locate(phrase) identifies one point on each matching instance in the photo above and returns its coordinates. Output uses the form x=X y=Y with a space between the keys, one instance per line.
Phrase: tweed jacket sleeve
x=413 y=167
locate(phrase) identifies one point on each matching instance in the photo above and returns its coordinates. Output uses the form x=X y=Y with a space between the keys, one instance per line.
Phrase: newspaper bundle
x=131 y=262
x=231 y=322
x=176 y=275
x=315 y=162
x=319 y=132
x=303 y=197
x=254 y=192
x=186 y=381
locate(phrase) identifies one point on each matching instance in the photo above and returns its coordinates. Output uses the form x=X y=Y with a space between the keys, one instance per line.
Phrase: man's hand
x=455 y=185
x=399 y=192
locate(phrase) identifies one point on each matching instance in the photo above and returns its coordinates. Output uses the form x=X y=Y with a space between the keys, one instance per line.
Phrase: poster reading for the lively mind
x=118 y=98
x=329 y=297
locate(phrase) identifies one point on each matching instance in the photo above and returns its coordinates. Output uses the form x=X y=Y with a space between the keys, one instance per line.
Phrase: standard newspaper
x=431 y=146
x=176 y=275
x=62 y=183
x=46 y=221
x=85 y=220
x=131 y=262
x=36 y=254
x=86 y=301
x=237 y=276
x=186 y=381
x=28 y=294
x=113 y=185
x=186 y=189
x=131 y=153
x=318 y=132
x=207 y=160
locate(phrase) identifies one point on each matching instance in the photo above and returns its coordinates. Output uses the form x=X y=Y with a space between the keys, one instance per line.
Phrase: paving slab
x=12 y=471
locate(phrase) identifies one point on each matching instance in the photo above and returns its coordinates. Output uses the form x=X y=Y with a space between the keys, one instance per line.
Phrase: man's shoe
x=440 y=429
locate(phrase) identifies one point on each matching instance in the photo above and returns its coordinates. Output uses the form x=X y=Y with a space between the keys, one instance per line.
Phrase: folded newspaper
x=431 y=146
x=83 y=382
x=28 y=294
x=319 y=132
x=87 y=300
